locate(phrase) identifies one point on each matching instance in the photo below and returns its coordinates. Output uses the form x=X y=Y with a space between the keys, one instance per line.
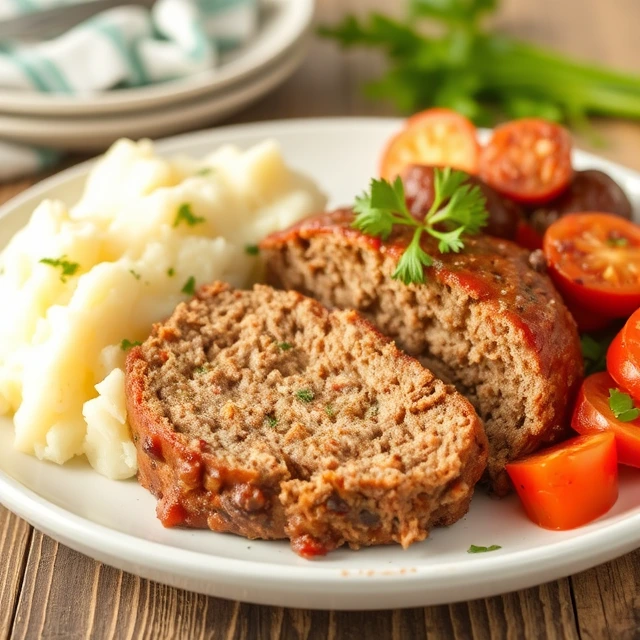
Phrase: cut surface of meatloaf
x=262 y=413
x=485 y=320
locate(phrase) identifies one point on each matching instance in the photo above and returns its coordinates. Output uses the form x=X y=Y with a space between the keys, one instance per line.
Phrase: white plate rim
x=553 y=561
x=294 y=18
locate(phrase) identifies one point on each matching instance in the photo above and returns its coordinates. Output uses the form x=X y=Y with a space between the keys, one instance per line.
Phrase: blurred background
x=269 y=62
x=603 y=32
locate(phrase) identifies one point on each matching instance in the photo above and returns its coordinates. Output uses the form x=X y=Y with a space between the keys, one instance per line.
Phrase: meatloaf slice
x=486 y=320
x=263 y=414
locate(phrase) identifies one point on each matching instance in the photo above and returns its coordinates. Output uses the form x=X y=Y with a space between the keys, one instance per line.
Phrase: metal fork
x=48 y=23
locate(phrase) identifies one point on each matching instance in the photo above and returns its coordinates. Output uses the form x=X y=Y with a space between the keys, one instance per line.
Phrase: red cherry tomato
x=592 y=414
x=528 y=160
x=569 y=484
x=594 y=260
x=437 y=137
x=623 y=356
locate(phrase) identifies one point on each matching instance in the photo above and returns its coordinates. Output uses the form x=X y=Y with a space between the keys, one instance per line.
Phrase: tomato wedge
x=528 y=160
x=436 y=137
x=623 y=356
x=570 y=484
x=592 y=414
x=594 y=260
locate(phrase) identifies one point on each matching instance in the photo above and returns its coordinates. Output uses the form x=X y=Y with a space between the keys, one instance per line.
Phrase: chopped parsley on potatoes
x=85 y=281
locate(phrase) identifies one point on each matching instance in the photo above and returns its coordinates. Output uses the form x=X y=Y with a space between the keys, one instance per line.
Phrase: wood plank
x=15 y=535
x=66 y=594
x=607 y=599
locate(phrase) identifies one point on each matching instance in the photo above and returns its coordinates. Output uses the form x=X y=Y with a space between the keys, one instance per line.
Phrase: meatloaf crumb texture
x=263 y=414
x=485 y=320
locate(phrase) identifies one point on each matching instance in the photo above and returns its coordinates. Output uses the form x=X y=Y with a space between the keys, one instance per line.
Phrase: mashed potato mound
x=85 y=283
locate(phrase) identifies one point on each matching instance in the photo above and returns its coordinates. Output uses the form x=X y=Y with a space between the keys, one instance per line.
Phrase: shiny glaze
x=488 y=269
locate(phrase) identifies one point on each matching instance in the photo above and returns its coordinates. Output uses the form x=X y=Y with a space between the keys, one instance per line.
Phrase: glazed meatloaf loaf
x=486 y=320
x=262 y=413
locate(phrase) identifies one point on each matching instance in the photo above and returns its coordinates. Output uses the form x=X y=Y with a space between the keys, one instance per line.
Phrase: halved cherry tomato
x=569 y=484
x=594 y=260
x=437 y=137
x=592 y=414
x=528 y=160
x=623 y=356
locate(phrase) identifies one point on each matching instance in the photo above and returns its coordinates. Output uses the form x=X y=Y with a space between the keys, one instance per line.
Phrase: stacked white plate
x=91 y=123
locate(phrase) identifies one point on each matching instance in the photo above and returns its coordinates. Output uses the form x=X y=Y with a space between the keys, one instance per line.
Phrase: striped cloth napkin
x=128 y=46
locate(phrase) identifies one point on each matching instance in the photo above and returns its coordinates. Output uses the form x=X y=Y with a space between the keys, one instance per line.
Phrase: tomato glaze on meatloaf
x=263 y=414
x=487 y=320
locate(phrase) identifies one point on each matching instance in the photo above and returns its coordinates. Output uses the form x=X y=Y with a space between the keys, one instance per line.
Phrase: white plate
x=97 y=133
x=284 y=23
x=115 y=521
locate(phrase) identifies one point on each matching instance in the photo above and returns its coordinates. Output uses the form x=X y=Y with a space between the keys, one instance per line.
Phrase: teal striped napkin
x=128 y=46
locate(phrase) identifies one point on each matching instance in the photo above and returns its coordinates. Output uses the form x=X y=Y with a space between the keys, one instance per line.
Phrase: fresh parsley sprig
x=457 y=209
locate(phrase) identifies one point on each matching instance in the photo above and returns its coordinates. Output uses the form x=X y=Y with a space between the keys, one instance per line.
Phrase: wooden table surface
x=50 y=591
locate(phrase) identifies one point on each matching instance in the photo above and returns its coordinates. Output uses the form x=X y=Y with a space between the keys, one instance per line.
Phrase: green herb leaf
x=617 y=242
x=187 y=216
x=446 y=182
x=476 y=549
x=594 y=352
x=621 y=404
x=305 y=395
x=285 y=346
x=171 y=272
x=453 y=11
x=329 y=410
x=125 y=345
x=467 y=205
x=374 y=222
x=457 y=209
x=397 y=39
x=68 y=268
x=189 y=286
x=205 y=171
x=460 y=64
x=271 y=421
x=378 y=210
x=385 y=195
x=252 y=249
x=410 y=268
x=134 y=274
